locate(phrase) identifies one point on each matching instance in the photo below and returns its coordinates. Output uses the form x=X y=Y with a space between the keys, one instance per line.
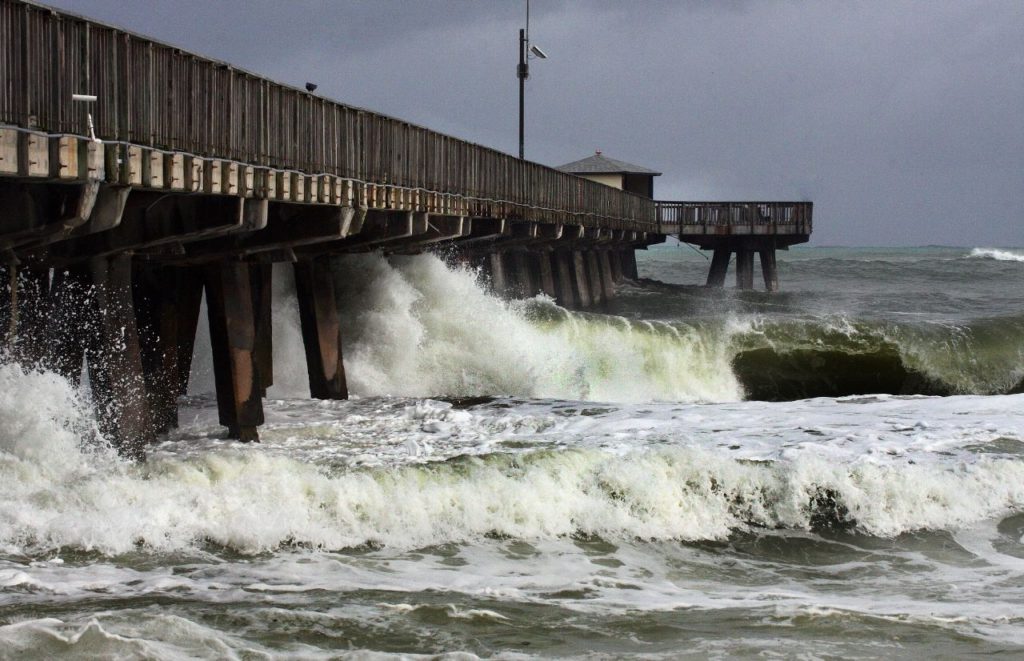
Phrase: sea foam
x=251 y=500
x=418 y=327
x=996 y=254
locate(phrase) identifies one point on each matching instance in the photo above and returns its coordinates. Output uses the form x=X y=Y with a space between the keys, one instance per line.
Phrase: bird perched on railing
x=311 y=87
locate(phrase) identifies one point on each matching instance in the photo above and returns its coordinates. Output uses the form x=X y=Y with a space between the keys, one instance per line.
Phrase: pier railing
x=159 y=96
x=719 y=217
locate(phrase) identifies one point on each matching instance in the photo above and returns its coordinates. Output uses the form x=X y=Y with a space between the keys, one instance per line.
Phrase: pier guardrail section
x=158 y=96
x=694 y=218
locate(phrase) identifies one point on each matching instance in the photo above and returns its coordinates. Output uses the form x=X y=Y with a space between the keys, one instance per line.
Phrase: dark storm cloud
x=901 y=120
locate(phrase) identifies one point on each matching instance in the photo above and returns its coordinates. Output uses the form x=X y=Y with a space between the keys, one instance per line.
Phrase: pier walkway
x=135 y=176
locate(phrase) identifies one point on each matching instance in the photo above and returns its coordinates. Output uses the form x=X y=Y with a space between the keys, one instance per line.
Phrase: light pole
x=523 y=71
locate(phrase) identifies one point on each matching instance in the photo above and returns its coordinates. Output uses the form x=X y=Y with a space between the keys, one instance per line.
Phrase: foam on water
x=996 y=254
x=420 y=328
x=539 y=474
x=406 y=523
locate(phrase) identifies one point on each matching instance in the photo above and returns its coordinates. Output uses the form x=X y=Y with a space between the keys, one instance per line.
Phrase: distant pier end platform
x=137 y=178
x=740 y=228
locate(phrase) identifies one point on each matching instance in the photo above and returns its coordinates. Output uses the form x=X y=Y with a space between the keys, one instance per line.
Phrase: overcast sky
x=902 y=121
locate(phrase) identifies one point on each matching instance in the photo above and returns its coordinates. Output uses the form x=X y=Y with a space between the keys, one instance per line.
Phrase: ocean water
x=833 y=471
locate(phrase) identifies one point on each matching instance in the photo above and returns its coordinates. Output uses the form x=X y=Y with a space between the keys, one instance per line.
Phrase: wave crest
x=251 y=502
x=996 y=254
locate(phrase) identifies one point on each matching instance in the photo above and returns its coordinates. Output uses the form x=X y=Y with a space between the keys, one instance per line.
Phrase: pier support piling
x=114 y=356
x=155 y=292
x=8 y=305
x=522 y=268
x=615 y=259
x=719 y=267
x=262 y=290
x=563 y=263
x=769 y=269
x=545 y=273
x=744 y=269
x=33 y=311
x=499 y=276
x=629 y=269
x=70 y=300
x=321 y=329
x=24 y=312
x=580 y=278
x=229 y=303
x=167 y=301
x=594 y=278
x=607 y=278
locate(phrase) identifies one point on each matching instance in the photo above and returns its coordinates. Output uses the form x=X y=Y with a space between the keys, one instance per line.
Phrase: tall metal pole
x=523 y=72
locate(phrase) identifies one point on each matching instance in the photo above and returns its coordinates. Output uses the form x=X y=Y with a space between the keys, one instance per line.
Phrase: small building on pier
x=611 y=172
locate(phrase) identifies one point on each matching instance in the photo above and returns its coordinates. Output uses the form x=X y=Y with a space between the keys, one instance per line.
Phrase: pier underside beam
x=321 y=329
x=229 y=303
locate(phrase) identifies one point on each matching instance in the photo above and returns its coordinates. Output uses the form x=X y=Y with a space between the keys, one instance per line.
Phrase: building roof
x=601 y=164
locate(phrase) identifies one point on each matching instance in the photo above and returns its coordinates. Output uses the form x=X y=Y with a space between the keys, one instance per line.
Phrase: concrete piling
x=769 y=269
x=321 y=329
x=499 y=275
x=70 y=298
x=629 y=269
x=744 y=269
x=607 y=278
x=114 y=356
x=581 y=280
x=229 y=304
x=262 y=287
x=522 y=274
x=545 y=274
x=594 y=278
x=615 y=260
x=719 y=267
x=566 y=296
x=155 y=299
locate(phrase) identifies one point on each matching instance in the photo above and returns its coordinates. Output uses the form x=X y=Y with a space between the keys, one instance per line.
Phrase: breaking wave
x=996 y=254
x=420 y=328
x=56 y=495
x=781 y=360
x=417 y=327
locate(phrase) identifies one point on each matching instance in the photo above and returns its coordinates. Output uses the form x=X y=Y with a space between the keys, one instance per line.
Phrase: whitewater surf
x=830 y=471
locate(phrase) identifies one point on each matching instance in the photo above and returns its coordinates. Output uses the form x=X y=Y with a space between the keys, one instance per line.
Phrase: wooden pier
x=135 y=176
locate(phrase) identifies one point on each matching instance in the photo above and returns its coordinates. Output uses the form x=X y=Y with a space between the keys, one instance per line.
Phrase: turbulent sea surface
x=836 y=470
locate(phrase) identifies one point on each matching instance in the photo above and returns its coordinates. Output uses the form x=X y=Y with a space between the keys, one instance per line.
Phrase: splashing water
x=996 y=254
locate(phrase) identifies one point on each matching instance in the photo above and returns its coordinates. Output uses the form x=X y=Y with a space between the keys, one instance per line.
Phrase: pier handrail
x=156 y=95
x=798 y=214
